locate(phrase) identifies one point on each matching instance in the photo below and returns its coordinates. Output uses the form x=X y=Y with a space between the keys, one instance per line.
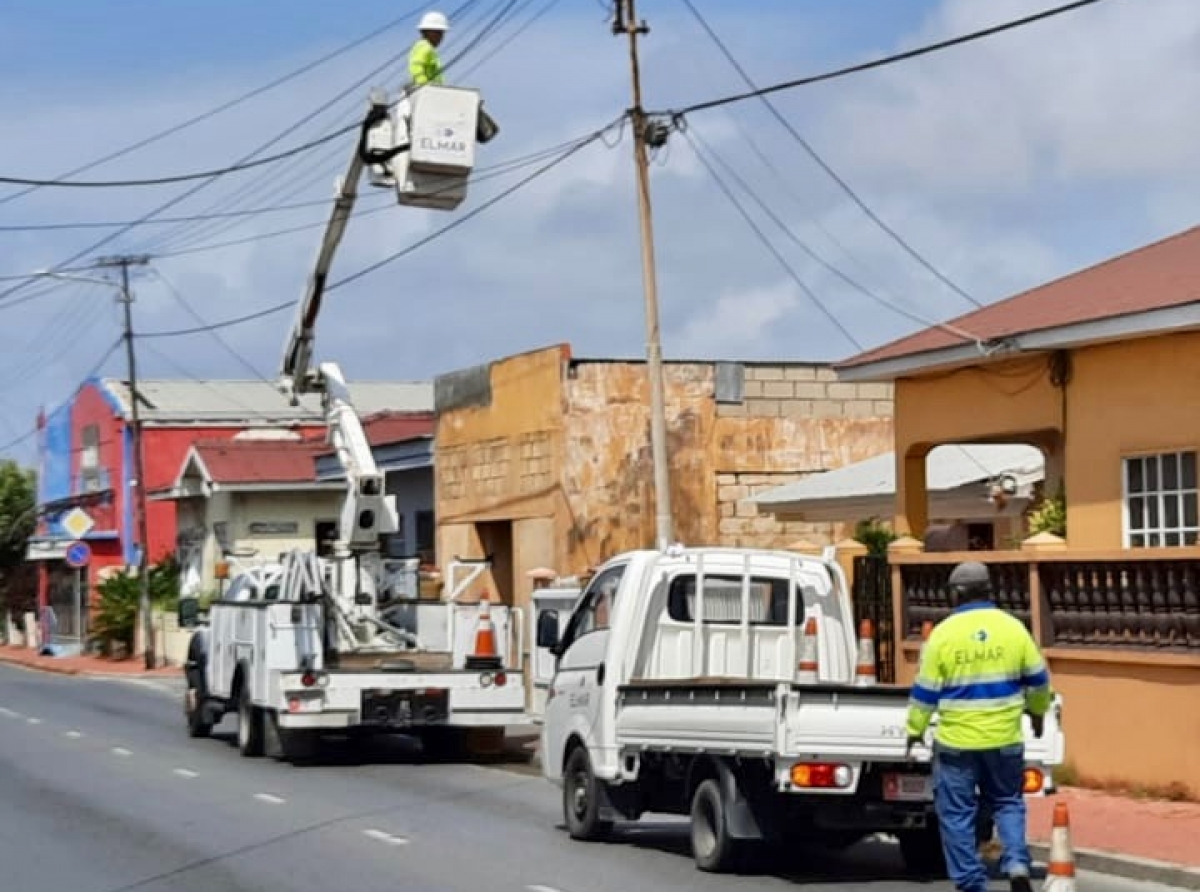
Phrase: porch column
x=912 y=497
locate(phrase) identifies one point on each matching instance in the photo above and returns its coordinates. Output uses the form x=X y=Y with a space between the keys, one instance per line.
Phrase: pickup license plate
x=907 y=787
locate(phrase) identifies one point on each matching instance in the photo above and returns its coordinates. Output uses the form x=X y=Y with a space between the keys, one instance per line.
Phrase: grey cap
x=970 y=580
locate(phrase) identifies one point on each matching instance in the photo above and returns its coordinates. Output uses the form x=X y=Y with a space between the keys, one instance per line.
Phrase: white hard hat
x=434 y=21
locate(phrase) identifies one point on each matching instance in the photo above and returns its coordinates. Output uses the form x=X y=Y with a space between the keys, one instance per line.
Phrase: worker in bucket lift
x=424 y=68
x=980 y=670
x=424 y=64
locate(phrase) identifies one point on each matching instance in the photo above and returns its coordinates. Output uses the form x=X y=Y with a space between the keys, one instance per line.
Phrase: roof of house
x=248 y=401
x=948 y=467
x=384 y=428
x=258 y=461
x=1162 y=275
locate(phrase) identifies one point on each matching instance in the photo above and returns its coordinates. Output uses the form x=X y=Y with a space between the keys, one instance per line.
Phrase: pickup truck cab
x=679 y=689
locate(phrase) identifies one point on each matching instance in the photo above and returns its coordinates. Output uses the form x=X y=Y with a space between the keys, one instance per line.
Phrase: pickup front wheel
x=581 y=798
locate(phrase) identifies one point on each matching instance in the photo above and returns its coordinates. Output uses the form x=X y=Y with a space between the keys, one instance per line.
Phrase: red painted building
x=86 y=460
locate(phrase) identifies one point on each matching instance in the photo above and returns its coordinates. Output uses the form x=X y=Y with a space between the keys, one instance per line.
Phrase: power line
x=187 y=193
x=474 y=212
x=17 y=441
x=892 y=305
x=191 y=218
x=823 y=164
x=766 y=243
x=183 y=125
x=184 y=177
x=486 y=173
x=885 y=60
x=286 y=305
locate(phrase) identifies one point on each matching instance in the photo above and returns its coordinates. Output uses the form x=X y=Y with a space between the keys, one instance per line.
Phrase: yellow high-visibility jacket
x=980 y=670
x=424 y=64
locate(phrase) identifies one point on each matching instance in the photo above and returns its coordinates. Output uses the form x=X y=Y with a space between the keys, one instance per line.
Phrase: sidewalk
x=134 y=667
x=1140 y=839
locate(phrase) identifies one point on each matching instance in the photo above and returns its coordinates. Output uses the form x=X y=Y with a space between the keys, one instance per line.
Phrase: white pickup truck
x=676 y=692
x=267 y=656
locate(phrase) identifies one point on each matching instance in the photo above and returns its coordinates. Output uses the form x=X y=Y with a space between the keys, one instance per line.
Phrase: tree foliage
x=18 y=520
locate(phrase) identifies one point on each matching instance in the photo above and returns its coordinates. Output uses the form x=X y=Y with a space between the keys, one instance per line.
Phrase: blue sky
x=1005 y=162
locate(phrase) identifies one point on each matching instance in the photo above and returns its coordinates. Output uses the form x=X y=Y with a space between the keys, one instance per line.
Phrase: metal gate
x=873 y=601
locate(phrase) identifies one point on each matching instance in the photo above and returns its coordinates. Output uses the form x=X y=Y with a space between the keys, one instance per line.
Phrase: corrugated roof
x=259 y=461
x=396 y=427
x=234 y=401
x=948 y=467
x=1160 y=275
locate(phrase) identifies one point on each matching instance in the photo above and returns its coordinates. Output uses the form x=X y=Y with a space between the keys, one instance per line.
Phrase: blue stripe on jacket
x=982 y=690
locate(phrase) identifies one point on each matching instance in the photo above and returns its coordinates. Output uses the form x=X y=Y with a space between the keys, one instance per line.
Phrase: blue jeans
x=997 y=775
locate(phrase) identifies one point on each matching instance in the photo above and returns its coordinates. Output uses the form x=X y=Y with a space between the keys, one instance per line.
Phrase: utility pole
x=139 y=467
x=626 y=22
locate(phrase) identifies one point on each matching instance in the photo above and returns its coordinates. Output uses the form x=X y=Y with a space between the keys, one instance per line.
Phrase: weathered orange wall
x=564 y=446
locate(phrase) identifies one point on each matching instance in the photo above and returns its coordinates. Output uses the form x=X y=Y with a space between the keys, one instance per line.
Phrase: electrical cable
x=892 y=305
x=487 y=173
x=285 y=305
x=766 y=242
x=225 y=106
x=8 y=292
x=885 y=60
x=11 y=444
x=824 y=165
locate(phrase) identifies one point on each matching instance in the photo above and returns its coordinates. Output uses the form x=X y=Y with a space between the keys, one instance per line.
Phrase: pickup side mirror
x=189 y=612
x=547 y=629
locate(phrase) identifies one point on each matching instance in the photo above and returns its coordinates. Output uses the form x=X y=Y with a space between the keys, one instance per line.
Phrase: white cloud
x=736 y=323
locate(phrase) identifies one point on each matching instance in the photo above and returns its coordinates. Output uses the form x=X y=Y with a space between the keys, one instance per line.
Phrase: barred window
x=1161 y=500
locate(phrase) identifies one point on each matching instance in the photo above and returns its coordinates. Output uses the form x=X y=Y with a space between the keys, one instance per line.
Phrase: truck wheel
x=712 y=846
x=581 y=798
x=250 y=725
x=193 y=708
x=922 y=852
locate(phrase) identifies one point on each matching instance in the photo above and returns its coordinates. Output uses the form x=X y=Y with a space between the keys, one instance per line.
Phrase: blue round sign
x=78 y=554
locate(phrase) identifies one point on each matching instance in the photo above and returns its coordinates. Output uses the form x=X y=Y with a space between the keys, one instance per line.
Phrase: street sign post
x=78 y=556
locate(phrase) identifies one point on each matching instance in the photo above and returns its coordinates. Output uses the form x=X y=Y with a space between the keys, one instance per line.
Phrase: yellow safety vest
x=980 y=670
x=424 y=66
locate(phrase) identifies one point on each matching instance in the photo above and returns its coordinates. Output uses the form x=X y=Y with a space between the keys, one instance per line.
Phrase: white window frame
x=1160 y=495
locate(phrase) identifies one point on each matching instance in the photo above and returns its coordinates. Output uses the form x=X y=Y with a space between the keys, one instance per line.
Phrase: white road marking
x=121 y=751
x=382 y=836
x=541 y=889
x=33 y=721
x=267 y=797
x=186 y=772
x=74 y=735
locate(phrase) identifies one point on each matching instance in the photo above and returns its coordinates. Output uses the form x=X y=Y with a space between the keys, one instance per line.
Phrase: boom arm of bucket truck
x=367 y=510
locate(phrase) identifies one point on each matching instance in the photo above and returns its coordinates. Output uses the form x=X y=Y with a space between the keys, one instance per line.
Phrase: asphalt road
x=102 y=791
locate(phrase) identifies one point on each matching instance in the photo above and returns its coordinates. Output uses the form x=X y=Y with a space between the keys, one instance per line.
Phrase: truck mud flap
x=383 y=708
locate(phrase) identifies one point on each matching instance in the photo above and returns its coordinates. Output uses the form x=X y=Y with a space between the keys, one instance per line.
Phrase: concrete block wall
x=742 y=524
x=807 y=391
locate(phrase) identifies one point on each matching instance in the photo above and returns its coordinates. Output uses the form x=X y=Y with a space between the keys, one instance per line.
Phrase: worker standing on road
x=980 y=670
x=424 y=64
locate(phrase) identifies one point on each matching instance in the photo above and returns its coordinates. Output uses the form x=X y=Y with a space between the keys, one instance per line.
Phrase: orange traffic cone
x=806 y=667
x=485 y=655
x=864 y=670
x=1060 y=869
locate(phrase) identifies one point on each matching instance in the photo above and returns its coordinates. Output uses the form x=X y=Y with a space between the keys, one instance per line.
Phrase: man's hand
x=1038 y=723
x=910 y=742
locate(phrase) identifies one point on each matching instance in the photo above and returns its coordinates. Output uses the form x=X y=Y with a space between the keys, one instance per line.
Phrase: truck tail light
x=821 y=775
x=501 y=679
x=1033 y=781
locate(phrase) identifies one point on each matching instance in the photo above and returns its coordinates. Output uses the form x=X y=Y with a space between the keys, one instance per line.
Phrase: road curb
x=1128 y=867
x=56 y=669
